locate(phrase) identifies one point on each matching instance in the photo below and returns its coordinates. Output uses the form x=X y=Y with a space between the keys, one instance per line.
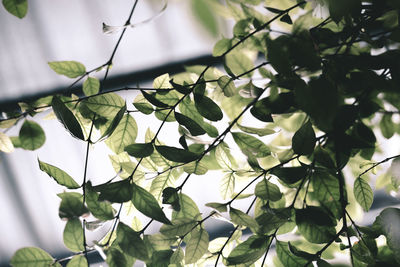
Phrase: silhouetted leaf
x=207 y=108
x=67 y=118
x=153 y=100
x=118 y=192
x=73 y=235
x=176 y=154
x=31 y=256
x=197 y=245
x=170 y=196
x=193 y=127
x=303 y=141
x=290 y=175
x=31 y=135
x=140 y=150
x=130 y=242
x=142 y=105
x=286 y=18
x=91 y=86
x=71 y=69
x=363 y=193
x=59 y=175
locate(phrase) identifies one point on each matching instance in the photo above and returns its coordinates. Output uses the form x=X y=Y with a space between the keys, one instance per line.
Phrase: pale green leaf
x=5 y=143
x=179 y=227
x=161 y=182
x=227 y=185
x=130 y=242
x=195 y=167
x=241 y=218
x=78 y=261
x=197 y=245
x=162 y=82
x=59 y=175
x=188 y=208
x=239 y=63
x=259 y=131
x=73 y=235
x=31 y=256
x=227 y=86
x=221 y=47
x=202 y=11
x=142 y=104
x=124 y=134
x=177 y=257
x=105 y=105
x=250 y=145
x=31 y=135
x=363 y=193
x=71 y=69
x=91 y=86
x=267 y=191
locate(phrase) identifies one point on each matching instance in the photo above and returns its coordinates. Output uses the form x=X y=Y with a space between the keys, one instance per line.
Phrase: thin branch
x=377 y=164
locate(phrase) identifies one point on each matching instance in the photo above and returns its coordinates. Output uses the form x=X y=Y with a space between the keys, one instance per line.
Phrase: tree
x=328 y=86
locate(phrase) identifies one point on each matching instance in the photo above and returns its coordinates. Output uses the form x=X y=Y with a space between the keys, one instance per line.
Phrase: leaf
x=227 y=86
x=71 y=69
x=179 y=227
x=105 y=105
x=221 y=47
x=67 y=118
x=221 y=207
x=73 y=235
x=118 y=192
x=71 y=205
x=124 y=134
x=251 y=145
x=160 y=182
x=363 y=193
x=177 y=154
x=207 y=108
x=286 y=18
x=241 y=218
x=142 y=105
x=275 y=10
x=249 y=251
x=130 y=242
x=100 y=209
x=303 y=141
x=59 y=175
x=177 y=257
x=162 y=82
x=259 y=131
x=153 y=100
x=147 y=204
x=91 y=86
x=267 y=191
x=290 y=175
x=227 y=185
x=239 y=63
x=31 y=135
x=31 y=256
x=193 y=127
x=78 y=261
x=18 y=8
x=203 y=12
x=195 y=167
x=115 y=258
x=5 y=143
x=140 y=150
x=197 y=245
x=326 y=190
x=287 y=258
x=170 y=196
x=188 y=208
x=114 y=123
x=387 y=126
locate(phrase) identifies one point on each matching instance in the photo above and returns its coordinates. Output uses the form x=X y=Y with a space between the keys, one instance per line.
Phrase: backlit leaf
x=91 y=86
x=31 y=256
x=221 y=47
x=59 y=175
x=188 y=208
x=267 y=191
x=119 y=192
x=161 y=182
x=241 y=218
x=177 y=154
x=100 y=209
x=31 y=135
x=287 y=258
x=124 y=134
x=239 y=63
x=130 y=242
x=203 y=12
x=5 y=143
x=227 y=185
x=179 y=227
x=73 y=235
x=105 y=105
x=143 y=105
x=259 y=131
x=249 y=251
x=67 y=118
x=251 y=145
x=326 y=190
x=162 y=82
x=227 y=86
x=78 y=261
x=197 y=246
x=71 y=69
x=363 y=193
x=195 y=167
x=71 y=205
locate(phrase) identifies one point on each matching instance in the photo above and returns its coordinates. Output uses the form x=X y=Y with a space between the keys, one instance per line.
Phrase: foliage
x=302 y=98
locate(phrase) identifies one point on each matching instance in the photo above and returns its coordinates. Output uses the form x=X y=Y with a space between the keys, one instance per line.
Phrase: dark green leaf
x=91 y=86
x=71 y=205
x=59 y=175
x=176 y=154
x=267 y=191
x=207 y=108
x=290 y=175
x=114 y=123
x=153 y=100
x=115 y=258
x=130 y=242
x=73 y=235
x=271 y=219
x=286 y=18
x=71 y=69
x=100 y=209
x=170 y=196
x=340 y=8
x=287 y=258
x=303 y=141
x=31 y=256
x=193 y=127
x=18 y=8
x=183 y=89
x=147 y=204
x=140 y=150
x=241 y=218
x=31 y=135
x=278 y=54
x=142 y=105
x=197 y=245
x=249 y=251
x=251 y=145
x=300 y=253
x=363 y=193
x=160 y=258
x=118 y=192
x=274 y=10
x=67 y=118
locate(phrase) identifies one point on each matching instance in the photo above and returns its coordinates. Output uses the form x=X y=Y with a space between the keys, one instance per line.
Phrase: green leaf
x=170 y=196
x=31 y=256
x=387 y=126
x=118 y=192
x=179 y=227
x=303 y=141
x=258 y=131
x=203 y=12
x=59 y=175
x=188 y=208
x=140 y=150
x=249 y=251
x=272 y=219
x=124 y=134
x=67 y=118
x=251 y=145
x=161 y=258
x=130 y=242
x=275 y=10
x=287 y=258
x=71 y=69
x=193 y=127
x=278 y=54
x=340 y=8
x=100 y=209
x=115 y=258
x=71 y=205
x=31 y=135
x=78 y=261
x=239 y=63
x=91 y=86
x=177 y=257
x=290 y=175
x=227 y=86
x=267 y=191
x=147 y=204
x=73 y=235
x=177 y=154
x=18 y=8
x=221 y=47
x=221 y=207
x=195 y=167
x=5 y=143
x=142 y=105
x=207 y=108
x=105 y=105
x=363 y=193
x=241 y=218
x=197 y=245
x=227 y=185
x=162 y=181
x=326 y=190
x=114 y=123
x=153 y=100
